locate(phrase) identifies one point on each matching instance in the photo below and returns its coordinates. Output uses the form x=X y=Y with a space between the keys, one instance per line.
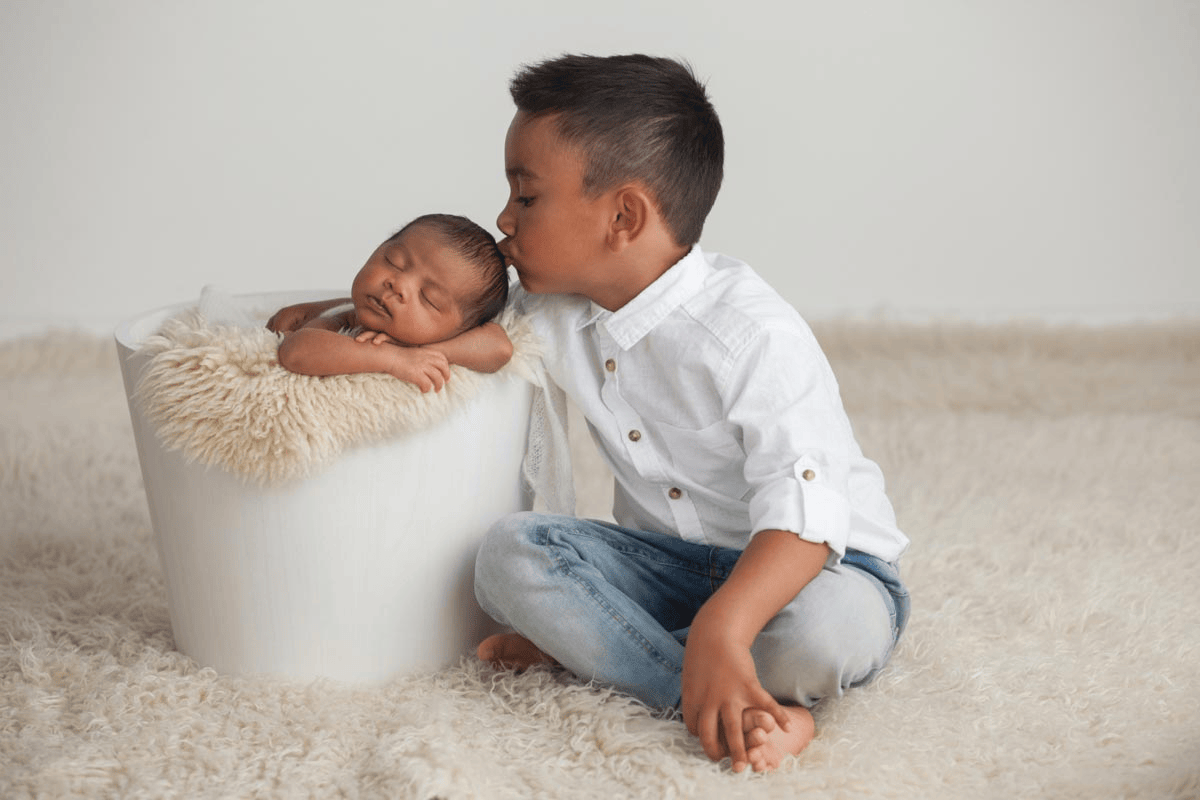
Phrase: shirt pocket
x=711 y=457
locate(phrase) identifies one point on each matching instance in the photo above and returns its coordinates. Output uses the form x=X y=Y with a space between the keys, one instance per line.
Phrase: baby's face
x=413 y=288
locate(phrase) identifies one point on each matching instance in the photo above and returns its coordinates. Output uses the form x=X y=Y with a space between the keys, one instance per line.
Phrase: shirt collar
x=628 y=324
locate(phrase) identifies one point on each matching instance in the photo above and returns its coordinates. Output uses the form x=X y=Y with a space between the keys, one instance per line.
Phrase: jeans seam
x=691 y=567
x=635 y=635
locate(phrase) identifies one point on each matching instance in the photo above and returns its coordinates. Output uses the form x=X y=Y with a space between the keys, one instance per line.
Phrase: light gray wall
x=972 y=159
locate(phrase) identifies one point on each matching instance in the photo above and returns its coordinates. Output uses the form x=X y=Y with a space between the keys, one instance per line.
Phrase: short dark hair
x=634 y=117
x=479 y=249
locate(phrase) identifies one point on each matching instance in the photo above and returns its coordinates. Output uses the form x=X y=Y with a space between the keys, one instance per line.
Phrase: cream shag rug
x=1049 y=480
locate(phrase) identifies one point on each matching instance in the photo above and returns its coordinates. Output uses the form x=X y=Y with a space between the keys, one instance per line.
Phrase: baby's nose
x=396 y=287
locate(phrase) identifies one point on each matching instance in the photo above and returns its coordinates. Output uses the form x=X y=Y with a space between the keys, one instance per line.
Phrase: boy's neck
x=634 y=270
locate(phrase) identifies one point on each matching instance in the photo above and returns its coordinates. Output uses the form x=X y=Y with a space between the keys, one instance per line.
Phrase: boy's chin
x=533 y=286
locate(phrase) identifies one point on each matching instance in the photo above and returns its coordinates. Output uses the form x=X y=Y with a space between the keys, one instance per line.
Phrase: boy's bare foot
x=511 y=651
x=767 y=744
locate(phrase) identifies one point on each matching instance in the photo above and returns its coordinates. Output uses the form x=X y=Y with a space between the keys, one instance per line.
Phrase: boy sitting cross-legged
x=753 y=566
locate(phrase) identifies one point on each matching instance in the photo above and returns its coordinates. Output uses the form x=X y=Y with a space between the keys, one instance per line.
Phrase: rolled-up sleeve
x=783 y=397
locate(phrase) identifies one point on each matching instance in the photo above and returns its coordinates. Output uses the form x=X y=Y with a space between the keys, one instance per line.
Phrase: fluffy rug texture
x=217 y=394
x=1046 y=476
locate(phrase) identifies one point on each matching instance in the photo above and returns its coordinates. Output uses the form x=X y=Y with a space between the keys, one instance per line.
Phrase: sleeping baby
x=423 y=301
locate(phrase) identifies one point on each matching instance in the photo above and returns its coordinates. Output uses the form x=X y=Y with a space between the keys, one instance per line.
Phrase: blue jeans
x=614 y=605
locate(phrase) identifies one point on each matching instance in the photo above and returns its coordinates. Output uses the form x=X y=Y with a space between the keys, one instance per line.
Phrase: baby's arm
x=318 y=348
x=485 y=348
x=290 y=318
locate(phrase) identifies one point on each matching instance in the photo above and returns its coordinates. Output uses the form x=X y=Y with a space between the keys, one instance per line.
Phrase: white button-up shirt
x=715 y=408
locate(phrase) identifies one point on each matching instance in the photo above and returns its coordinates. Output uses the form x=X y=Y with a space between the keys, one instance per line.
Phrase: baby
x=423 y=301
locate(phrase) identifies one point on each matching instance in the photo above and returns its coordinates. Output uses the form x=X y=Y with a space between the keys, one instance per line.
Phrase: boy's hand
x=719 y=682
x=719 y=685
x=426 y=368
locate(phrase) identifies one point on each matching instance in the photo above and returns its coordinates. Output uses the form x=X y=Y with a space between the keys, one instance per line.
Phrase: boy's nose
x=505 y=221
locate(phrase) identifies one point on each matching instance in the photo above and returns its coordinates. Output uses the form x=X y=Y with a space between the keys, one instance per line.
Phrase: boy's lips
x=509 y=261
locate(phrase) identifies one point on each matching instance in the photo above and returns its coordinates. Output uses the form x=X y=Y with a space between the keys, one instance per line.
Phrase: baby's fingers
x=439 y=374
x=374 y=337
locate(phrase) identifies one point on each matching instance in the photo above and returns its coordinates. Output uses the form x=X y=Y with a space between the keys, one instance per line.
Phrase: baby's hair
x=478 y=248
x=635 y=118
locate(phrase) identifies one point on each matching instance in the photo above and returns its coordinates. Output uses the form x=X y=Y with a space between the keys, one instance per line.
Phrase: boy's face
x=555 y=233
x=413 y=288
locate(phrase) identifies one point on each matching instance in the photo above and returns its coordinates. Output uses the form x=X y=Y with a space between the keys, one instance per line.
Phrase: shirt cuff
x=810 y=502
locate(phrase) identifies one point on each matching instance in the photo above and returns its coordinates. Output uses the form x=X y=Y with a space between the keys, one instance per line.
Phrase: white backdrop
x=971 y=159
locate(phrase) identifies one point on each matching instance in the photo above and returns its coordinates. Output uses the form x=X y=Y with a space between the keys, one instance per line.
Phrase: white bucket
x=359 y=573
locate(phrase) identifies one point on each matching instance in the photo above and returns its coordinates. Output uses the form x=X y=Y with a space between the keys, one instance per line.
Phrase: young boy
x=753 y=567
x=428 y=292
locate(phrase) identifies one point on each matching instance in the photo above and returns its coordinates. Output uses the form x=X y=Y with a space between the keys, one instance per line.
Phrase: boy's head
x=436 y=277
x=634 y=118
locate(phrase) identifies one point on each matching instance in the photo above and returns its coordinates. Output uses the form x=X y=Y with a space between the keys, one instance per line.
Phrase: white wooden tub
x=359 y=573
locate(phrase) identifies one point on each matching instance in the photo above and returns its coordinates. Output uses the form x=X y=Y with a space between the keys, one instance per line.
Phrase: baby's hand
x=427 y=369
x=375 y=337
x=290 y=318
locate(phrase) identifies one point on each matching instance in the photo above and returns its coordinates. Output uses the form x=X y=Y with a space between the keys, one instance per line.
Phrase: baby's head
x=634 y=118
x=436 y=277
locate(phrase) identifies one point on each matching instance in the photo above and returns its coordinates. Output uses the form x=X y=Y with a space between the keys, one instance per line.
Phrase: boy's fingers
x=707 y=730
x=735 y=739
x=772 y=707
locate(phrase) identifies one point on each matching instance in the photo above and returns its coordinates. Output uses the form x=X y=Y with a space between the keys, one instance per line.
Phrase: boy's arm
x=291 y=318
x=319 y=349
x=485 y=348
x=719 y=680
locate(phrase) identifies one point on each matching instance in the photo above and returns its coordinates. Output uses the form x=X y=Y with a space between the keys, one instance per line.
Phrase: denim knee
x=837 y=633
x=503 y=554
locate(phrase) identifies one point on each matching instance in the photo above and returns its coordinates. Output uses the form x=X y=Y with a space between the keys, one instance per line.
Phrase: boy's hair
x=478 y=248
x=635 y=118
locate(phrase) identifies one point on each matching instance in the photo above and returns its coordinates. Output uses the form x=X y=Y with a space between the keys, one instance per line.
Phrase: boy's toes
x=756 y=738
x=760 y=760
x=754 y=718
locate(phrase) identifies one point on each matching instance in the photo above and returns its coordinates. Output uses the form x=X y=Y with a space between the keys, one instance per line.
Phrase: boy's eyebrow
x=518 y=172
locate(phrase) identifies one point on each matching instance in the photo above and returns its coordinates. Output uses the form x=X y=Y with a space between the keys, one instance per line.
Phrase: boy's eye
x=429 y=302
x=525 y=201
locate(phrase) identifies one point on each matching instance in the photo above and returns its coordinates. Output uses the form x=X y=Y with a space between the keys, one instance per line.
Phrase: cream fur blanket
x=216 y=393
x=1048 y=480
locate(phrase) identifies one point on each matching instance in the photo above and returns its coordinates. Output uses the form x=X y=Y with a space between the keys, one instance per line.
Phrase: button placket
x=628 y=422
x=686 y=516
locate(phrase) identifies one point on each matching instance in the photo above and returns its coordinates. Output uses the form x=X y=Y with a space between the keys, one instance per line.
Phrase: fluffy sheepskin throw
x=216 y=393
x=1048 y=480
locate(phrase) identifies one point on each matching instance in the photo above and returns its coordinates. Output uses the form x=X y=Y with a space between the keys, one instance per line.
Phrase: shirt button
x=610 y=365
x=635 y=436
x=675 y=493
x=808 y=474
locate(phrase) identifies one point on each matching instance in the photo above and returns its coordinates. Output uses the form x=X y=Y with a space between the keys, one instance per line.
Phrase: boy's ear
x=632 y=210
